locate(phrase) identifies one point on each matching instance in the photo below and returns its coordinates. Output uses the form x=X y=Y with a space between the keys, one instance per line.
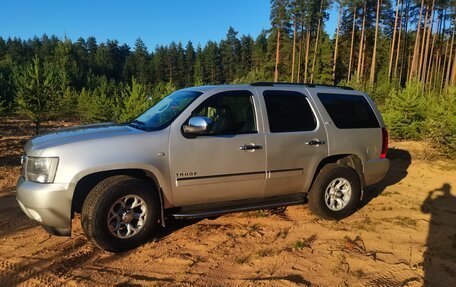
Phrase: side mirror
x=198 y=125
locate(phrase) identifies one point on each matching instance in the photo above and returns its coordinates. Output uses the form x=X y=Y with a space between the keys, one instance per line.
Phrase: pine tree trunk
x=398 y=41
x=405 y=65
x=351 y=44
x=423 y=42
x=276 y=72
x=453 y=73
x=410 y=60
x=436 y=68
x=307 y=55
x=316 y=44
x=426 y=51
x=363 y=66
x=361 y=46
x=450 y=58
x=337 y=43
x=414 y=65
x=294 y=52
x=428 y=74
x=301 y=40
x=374 y=54
x=393 y=42
x=442 y=81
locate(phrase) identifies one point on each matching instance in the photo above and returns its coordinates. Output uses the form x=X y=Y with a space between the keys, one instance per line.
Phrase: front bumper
x=49 y=204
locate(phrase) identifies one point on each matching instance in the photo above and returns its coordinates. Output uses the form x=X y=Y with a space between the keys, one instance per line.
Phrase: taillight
x=384 y=143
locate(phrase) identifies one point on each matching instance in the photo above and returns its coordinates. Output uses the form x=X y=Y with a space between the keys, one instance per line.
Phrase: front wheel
x=120 y=213
x=335 y=193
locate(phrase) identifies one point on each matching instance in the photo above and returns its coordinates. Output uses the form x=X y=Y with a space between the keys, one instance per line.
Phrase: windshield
x=165 y=111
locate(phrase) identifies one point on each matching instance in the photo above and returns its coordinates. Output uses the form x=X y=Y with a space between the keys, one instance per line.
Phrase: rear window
x=349 y=111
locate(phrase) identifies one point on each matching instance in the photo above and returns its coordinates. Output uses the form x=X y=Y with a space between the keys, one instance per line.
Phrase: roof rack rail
x=271 y=84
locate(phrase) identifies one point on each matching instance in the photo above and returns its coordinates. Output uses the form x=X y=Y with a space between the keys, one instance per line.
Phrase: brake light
x=384 y=143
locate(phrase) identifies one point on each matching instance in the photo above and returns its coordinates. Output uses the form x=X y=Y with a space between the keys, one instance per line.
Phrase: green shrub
x=134 y=100
x=98 y=105
x=404 y=112
x=256 y=75
x=440 y=124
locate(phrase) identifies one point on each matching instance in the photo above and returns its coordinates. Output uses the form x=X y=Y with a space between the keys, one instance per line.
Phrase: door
x=228 y=162
x=295 y=140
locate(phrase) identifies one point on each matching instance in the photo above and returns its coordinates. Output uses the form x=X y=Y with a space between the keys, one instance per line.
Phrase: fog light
x=35 y=215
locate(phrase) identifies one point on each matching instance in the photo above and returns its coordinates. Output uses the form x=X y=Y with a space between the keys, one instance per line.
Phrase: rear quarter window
x=349 y=111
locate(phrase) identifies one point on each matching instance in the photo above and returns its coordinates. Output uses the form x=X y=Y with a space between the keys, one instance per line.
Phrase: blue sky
x=155 y=21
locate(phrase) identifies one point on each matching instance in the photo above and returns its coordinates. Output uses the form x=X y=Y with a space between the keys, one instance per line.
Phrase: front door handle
x=315 y=142
x=250 y=147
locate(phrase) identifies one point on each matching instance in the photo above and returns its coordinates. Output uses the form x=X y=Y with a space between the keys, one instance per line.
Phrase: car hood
x=78 y=134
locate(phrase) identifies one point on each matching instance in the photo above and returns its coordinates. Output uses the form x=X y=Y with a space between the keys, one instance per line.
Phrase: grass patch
x=366 y=224
x=305 y=243
x=264 y=252
x=282 y=234
x=261 y=213
x=404 y=221
x=243 y=259
x=389 y=193
x=387 y=208
x=358 y=273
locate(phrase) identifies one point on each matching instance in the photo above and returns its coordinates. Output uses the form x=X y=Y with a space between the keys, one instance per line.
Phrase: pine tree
x=37 y=91
x=393 y=42
x=190 y=58
x=246 y=55
x=337 y=41
x=374 y=54
x=230 y=49
x=280 y=23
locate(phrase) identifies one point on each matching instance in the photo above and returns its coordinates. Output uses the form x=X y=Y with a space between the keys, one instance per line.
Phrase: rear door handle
x=250 y=147
x=315 y=142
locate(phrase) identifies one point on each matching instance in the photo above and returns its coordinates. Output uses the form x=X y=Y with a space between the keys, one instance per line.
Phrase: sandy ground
x=404 y=235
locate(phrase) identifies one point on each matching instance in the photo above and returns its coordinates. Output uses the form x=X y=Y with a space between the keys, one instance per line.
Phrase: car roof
x=291 y=86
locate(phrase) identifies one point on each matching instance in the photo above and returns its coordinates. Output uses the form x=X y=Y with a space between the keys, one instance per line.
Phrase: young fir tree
x=37 y=91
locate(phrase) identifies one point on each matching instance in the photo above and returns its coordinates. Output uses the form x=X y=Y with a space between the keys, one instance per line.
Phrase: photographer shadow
x=440 y=256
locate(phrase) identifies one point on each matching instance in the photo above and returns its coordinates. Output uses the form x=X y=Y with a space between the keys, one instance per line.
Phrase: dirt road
x=404 y=235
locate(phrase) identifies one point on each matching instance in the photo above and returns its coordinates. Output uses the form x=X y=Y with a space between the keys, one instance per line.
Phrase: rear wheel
x=120 y=213
x=335 y=193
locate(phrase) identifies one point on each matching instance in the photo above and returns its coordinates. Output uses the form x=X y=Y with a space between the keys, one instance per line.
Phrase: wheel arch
x=87 y=182
x=350 y=160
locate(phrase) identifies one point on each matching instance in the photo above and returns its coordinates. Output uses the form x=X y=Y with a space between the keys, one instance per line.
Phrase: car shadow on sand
x=400 y=160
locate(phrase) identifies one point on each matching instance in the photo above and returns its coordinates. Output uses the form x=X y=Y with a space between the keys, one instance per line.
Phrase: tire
x=335 y=193
x=128 y=227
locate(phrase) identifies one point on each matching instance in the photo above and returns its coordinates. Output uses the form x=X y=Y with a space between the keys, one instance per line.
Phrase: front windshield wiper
x=138 y=124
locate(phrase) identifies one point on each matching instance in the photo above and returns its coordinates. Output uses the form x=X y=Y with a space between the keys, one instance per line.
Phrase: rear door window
x=349 y=111
x=288 y=111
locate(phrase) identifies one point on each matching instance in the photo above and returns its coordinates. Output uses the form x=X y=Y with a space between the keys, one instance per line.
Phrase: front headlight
x=41 y=169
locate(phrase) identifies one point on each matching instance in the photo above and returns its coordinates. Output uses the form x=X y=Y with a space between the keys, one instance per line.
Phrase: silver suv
x=206 y=151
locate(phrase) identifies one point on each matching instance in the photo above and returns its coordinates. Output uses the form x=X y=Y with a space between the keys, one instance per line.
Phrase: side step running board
x=211 y=213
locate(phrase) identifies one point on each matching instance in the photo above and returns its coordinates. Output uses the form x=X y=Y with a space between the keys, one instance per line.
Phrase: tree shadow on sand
x=440 y=256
